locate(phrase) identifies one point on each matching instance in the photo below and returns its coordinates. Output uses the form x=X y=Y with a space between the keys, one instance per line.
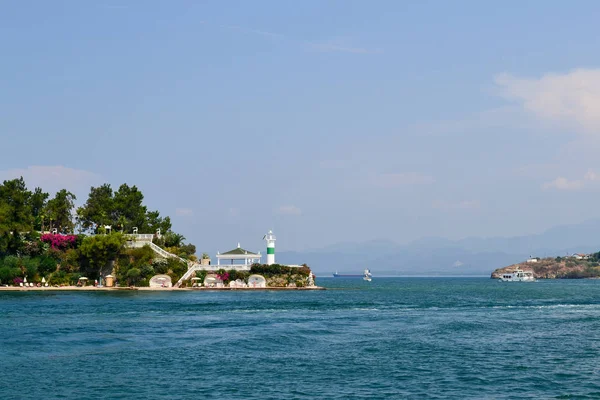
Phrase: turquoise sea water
x=391 y=338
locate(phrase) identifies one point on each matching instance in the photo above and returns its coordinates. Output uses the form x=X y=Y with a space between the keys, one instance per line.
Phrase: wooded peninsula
x=49 y=238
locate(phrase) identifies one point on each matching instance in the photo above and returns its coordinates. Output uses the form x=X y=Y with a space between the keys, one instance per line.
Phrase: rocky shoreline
x=555 y=268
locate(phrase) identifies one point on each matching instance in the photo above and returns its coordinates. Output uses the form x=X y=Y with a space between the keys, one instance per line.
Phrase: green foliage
x=201 y=274
x=98 y=209
x=47 y=265
x=128 y=209
x=31 y=266
x=12 y=262
x=147 y=271
x=154 y=222
x=277 y=269
x=59 y=211
x=7 y=274
x=173 y=239
x=15 y=215
x=123 y=210
x=23 y=214
x=133 y=275
x=176 y=269
x=235 y=275
x=160 y=265
x=38 y=204
x=97 y=252
x=64 y=278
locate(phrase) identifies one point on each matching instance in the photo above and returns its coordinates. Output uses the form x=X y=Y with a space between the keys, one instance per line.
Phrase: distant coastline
x=577 y=266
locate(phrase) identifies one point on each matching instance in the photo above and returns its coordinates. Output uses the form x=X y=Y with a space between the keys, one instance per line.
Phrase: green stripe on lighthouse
x=270 y=250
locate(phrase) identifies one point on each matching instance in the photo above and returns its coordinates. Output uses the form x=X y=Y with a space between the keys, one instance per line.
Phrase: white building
x=238 y=258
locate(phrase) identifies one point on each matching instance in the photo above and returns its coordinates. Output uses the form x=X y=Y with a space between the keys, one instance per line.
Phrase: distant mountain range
x=434 y=256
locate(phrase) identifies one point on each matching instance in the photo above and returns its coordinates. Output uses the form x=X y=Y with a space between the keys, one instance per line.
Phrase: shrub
x=176 y=269
x=160 y=265
x=47 y=265
x=277 y=269
x=31 y=267
x=133 y=275
x=7 y=274
x=201 y=274
x=147 y=271
x=58 y=241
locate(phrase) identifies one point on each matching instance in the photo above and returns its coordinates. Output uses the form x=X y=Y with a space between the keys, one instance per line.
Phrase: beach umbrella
x=25 y=280
x=43 y=280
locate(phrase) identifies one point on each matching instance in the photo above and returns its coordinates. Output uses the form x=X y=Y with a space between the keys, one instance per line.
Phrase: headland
x=575 y=266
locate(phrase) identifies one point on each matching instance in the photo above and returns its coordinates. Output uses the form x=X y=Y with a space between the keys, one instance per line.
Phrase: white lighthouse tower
x=270 y=238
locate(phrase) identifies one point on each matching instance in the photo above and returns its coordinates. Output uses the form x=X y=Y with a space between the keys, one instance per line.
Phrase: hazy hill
x=440 y=256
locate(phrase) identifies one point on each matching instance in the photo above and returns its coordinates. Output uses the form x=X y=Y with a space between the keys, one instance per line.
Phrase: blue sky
x=326 y=121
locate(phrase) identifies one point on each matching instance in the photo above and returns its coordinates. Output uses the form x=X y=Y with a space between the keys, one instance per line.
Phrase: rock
x=555 y=268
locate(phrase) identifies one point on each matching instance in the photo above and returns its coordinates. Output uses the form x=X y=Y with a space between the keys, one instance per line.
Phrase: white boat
x=367 y=275
x=518 y=276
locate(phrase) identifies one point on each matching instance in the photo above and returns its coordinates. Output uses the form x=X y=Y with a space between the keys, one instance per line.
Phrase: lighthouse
x=270 y=238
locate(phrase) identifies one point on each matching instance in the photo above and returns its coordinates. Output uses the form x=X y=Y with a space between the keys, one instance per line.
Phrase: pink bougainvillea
x=224 y=277
x=59 y=241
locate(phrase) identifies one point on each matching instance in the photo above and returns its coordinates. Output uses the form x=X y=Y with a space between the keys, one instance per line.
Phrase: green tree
x=98 y=209
x=38 y=204
x=129 y=212
x=173 y=239
x=15 y=215
x=133 y=275
x=154 y=222
x=98 y=252
x=60 y=211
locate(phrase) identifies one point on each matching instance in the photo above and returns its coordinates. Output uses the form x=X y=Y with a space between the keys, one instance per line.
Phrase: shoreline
x=144 y=289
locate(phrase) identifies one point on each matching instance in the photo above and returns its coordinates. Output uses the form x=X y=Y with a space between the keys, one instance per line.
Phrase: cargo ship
x=365 y=275
x=336 y=275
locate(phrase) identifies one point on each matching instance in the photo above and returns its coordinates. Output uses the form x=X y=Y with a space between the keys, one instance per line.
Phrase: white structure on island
x=239 y=258
x=160 y=281
x=270 y=238
x=257 y=281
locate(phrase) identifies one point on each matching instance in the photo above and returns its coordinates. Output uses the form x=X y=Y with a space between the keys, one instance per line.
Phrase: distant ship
x=518 y=276
x=336 y=275
x=366 y=275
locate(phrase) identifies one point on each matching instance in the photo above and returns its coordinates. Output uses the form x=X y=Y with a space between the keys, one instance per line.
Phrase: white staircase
x=165 y=254
x=142 y=240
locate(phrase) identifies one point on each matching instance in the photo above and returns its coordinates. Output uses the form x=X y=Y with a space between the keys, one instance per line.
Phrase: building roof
x=238 y=251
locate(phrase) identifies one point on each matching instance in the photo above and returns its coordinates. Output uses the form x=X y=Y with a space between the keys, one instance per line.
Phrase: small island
x=119 y=244
x=576 y=266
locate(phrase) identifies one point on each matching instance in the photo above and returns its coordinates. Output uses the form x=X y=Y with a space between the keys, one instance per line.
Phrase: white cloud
x=54 y=178
x=459 y=205
x=288 y=210
x=184 y=212
x=562 y=183
x=572 y=98
x=401 y=179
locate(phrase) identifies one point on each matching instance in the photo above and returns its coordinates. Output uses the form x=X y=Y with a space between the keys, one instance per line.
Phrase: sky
x=325 y=121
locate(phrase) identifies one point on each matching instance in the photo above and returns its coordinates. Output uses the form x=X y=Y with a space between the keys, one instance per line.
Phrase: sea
x=391 y=338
